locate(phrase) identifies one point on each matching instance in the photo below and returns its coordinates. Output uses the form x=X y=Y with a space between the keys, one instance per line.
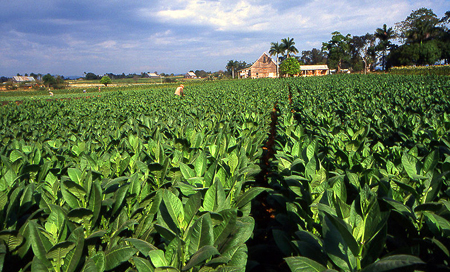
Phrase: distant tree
x=384 y=35
x=314 y=56
x=91 y=76
x=288 y=45
x=49 y=80
x=275 y=50
x=337 y=49
x=415 y=54
x=419 y=26
x=201 y=73
x=362 y=51
x=59 y=83
x=105 y=80
x=234 y=65
x=290 y=67
x=3 y=79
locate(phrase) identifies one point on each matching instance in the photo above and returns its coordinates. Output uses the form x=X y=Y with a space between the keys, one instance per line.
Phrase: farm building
x=314 y=70
x=190 y=75
x=263 y=67
x=23 y=79
x=153 y=75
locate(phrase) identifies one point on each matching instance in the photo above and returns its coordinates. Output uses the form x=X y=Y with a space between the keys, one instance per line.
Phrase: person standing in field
x=179 y=90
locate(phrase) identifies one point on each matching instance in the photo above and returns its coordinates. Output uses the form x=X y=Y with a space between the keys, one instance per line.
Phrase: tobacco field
x=345 y=173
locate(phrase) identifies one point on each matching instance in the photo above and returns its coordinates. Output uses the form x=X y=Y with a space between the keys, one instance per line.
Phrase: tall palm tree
x=275 y=49
x=288 y=46
x=384 y=35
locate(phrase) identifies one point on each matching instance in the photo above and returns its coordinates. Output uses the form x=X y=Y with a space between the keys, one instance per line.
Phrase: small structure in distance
x=314 y=70
x=190 y=75
x=262 y=68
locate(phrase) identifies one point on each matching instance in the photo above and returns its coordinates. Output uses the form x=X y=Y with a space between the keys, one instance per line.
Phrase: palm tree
x=275 y=49
x=232 y=65
x=288 y=46
x=384 y=35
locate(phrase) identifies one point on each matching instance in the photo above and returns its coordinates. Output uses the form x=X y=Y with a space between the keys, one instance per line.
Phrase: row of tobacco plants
x=361 y=174
x=352 y=175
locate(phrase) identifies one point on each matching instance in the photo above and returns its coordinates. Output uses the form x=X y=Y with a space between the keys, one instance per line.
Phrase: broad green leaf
x=75 y=175
x=339 y=243
x=143 y=246
x=171 y=211
x=393 y=262
x=96 y=263
x=214 y=198
x=72 y=193
x=142 y=265
x=431 y=160
x=200 y=256
x=301 y=264
x=233 y=162
x=37 y=245
x=72 y=259
x=200 y=234
x=77 y=215
x=224 y=228
x=157 y=258
x=59 y=251
x=411 y=165
x=186 y=171
x=200 y=164
x=191 y=208
x=249 y=195
x=11 y=238
x=118 y=255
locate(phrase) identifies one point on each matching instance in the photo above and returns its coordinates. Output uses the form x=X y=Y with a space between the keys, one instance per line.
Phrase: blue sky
x=70 y=37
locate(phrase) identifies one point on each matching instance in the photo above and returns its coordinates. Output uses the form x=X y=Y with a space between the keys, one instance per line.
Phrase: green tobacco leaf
x=393 y=262
x=2 y=255
x=72 y=193
x=224 y=228
x=72 y=260
x=200 y=165
x=301 y=264
x=142 y=265
x=339 y=243
x=214 y=198
x=200 y=234
x=438 y=221
x=166 y=269
x=95 y=202
x=78 y=214
x=430 y=161
x=157 y=258
x=37 y=245
x=411 y=165
x=191 y=208
x=119 y=196
x=118 y=255
x=165 y=232
x=143 y=246
x=400 y=208
x=283 y=242
x=186 y=171
x=96 y=263
x=200 y=256
x=249 y=195
x=75 y=175
x=171 y=211
x=12 y=239
x=59 y=251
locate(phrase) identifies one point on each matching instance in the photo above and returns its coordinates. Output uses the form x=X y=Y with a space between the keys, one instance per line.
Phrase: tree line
x=421 y=39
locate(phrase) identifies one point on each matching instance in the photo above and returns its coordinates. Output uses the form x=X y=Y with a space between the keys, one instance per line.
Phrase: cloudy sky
x=70 y=37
